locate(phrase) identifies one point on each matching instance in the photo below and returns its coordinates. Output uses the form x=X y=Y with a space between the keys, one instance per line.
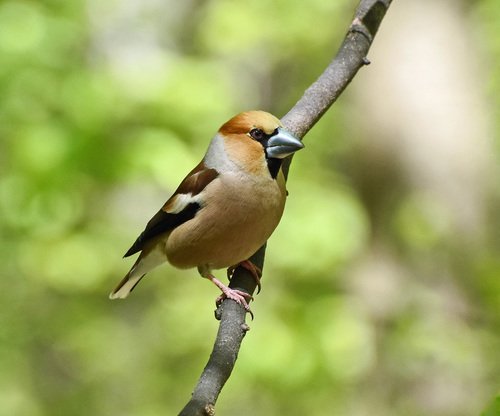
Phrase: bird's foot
x=255 y=271
x=239 y=296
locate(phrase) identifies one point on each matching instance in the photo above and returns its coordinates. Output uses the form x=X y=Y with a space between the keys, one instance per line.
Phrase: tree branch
x=299 y=120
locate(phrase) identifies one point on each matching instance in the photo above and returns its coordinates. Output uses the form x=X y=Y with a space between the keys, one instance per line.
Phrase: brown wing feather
x=197 y=180
x=164 y=221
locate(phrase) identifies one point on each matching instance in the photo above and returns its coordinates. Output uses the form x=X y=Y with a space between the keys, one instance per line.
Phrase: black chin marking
x=274 y=166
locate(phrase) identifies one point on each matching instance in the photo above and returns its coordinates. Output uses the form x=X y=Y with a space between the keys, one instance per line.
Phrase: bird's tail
x=126 y=285
x=146 y=262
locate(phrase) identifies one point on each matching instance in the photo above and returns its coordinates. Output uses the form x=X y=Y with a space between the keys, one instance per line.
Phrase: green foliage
x=493 y=409
x=368 y=305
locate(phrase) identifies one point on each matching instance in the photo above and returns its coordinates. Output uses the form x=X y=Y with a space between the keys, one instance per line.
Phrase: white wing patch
x=180 y=202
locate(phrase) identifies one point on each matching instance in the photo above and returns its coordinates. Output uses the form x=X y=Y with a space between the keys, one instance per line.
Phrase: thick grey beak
x=282 y=144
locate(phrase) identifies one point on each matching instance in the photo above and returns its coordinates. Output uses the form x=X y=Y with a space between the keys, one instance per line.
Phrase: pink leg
x=227 y=293
x=255 y=271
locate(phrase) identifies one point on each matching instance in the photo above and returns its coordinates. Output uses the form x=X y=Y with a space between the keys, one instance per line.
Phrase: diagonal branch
x=299 y=120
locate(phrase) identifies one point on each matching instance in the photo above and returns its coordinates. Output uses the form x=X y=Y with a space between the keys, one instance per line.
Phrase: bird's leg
x=238 y=296
x=255 y=271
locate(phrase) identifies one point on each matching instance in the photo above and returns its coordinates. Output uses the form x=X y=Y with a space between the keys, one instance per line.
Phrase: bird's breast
x=238 y=215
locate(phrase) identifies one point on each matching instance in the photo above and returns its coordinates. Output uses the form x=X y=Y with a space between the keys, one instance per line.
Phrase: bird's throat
x=274 y=166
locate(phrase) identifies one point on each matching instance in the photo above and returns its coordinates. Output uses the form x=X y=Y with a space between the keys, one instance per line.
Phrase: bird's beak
x=282 y=144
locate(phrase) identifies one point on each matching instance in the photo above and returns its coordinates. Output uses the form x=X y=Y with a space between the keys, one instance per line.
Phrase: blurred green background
x=381 y=291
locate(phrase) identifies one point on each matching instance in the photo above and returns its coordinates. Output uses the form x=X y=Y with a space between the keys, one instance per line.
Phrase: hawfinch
x=225 y=208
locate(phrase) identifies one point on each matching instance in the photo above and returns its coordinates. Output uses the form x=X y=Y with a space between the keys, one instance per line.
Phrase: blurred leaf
x=493 y=409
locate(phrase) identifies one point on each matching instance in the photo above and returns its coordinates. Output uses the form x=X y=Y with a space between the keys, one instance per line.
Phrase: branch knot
x=209 y=409
x=358 y=26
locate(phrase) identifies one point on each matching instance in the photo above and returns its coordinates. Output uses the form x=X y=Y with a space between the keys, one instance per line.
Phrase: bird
x=224 y=210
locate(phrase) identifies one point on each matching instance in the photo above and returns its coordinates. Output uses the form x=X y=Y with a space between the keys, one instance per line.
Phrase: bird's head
x=256 y=139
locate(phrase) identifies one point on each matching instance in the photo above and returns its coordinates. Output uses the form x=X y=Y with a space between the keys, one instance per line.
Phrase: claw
x=255 y=271
x=239 y=296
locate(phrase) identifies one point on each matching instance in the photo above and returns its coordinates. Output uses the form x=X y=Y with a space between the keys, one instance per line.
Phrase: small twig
x=299 y=120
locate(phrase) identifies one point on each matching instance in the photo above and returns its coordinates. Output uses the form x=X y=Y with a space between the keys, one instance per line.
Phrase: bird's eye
x=257 y=134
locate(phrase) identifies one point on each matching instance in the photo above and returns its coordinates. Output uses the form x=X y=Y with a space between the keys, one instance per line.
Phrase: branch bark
x=299 y=120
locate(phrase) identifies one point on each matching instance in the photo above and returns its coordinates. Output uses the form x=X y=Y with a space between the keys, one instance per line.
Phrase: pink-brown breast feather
x=237 y=220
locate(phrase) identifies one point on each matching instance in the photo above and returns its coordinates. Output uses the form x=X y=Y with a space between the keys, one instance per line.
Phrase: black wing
x=161 y=223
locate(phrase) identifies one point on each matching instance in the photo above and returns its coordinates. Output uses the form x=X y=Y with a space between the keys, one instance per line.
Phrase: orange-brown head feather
x=240 y=146
x=244 y=122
